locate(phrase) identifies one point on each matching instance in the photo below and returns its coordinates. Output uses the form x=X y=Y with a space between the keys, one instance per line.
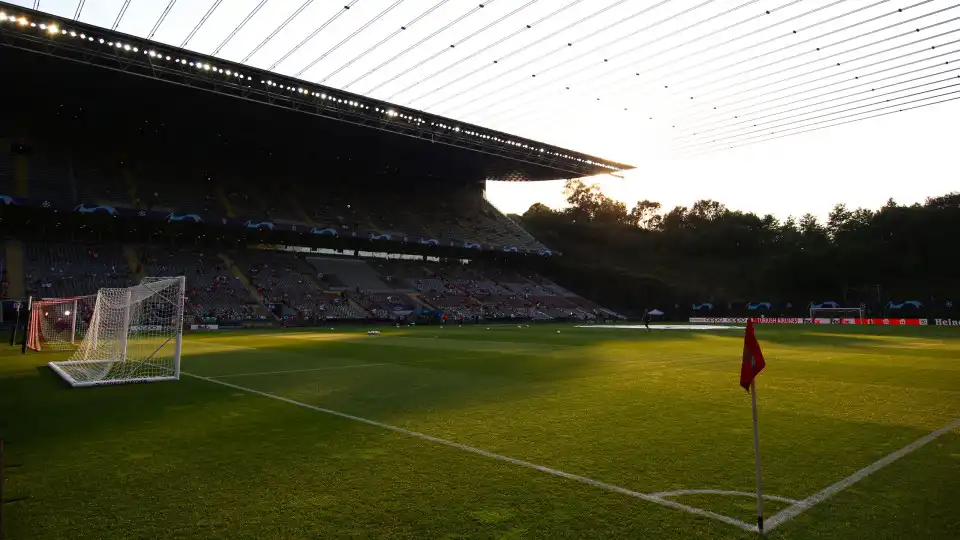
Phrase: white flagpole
x=756 y=453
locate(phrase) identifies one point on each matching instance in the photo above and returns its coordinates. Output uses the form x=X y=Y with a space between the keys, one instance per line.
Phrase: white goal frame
x=836 y=313
x=135 y=335
x=57 y=324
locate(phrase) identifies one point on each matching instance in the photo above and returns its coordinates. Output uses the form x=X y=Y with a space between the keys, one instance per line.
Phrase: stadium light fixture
x=3 y=16
x=126 y=47
x=22 y=21
x=53 y=29
x=43 y=26
x=73 y=34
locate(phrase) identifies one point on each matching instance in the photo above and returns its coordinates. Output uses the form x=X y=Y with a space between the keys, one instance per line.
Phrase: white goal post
x=836 y=313
x=134 y=335
x=59 y=324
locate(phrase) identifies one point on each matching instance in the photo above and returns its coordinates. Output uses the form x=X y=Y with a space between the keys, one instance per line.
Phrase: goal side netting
x=59 y=324
x=134 y=335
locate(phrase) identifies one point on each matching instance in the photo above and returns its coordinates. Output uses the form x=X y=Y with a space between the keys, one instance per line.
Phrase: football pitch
x=503 y=432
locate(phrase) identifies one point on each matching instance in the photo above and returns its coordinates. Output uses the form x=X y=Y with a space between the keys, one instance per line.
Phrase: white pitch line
x=327 y=368
x=577 y=478
x=795 y=510
x=681 y=492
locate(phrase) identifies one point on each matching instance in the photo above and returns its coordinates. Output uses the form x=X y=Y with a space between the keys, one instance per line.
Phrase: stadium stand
x=106 y=193
x=213 y=294
x=63 y=270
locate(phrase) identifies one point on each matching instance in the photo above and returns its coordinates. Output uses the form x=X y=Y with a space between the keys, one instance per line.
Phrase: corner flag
x=750 y=367
x=753 y=362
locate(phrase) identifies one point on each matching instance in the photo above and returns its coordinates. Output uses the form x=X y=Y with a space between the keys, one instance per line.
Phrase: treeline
x=645 y=255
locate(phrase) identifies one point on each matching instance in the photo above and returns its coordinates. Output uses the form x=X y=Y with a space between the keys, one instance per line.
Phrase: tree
x=645 y=215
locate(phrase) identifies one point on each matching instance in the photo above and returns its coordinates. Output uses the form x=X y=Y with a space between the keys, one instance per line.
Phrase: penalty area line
x=555 y=472
x=800 y=507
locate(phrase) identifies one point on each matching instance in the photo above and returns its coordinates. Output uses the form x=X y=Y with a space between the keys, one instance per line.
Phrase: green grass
x=649 y=412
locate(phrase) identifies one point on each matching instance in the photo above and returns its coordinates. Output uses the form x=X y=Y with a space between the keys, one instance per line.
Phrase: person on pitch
x=646 y=319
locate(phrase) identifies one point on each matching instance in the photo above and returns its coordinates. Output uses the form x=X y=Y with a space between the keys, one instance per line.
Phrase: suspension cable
x=652 y=25
x=199 y=24
x=515 y=52
x=606 y=29
x=123 y=10
x=596 y=78
x=797 y=118
x=450 y=48
x=504 y=39
x=378 y=44
x=421 y=42
x=313 y=34
x=351 y=36
x=160 y=21
x=821 y=126
x=239 y=27
x=717 y=123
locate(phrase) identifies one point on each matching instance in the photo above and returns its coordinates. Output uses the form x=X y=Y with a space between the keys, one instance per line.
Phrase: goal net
x=59 y=324
x=134 y=335
x=835 y=313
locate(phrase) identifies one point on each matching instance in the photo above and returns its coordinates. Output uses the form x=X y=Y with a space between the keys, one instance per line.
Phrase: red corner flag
x=753 y=362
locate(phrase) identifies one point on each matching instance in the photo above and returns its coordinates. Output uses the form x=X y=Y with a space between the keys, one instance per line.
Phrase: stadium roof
x=508 y=157
x=628 y=78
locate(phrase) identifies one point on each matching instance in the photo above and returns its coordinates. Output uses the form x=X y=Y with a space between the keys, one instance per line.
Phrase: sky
x=651 y=83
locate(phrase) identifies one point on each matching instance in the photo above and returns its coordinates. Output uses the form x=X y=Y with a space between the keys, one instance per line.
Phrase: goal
x=836 y=313
x=134 y=335
x=59 y=324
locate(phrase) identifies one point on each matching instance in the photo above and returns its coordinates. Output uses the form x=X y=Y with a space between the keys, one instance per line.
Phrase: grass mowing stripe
x=831 y=490
x=582 y=479
x=327 y=368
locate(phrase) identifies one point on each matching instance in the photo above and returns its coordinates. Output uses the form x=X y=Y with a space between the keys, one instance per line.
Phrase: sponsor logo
x=204 y=327
x=946 y=322
x=789 y=320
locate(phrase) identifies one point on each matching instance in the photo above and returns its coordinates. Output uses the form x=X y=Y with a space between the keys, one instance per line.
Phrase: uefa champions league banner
x=807 y=320
x=259 y=225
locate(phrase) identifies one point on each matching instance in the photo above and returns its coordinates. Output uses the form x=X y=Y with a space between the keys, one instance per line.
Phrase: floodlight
x=3 y=16
x=43 y=26
x=53 y=29
x=126 y=47
x=136 y=49
x=73 y=34
x=101 y=41
x=167 y=58
x=67 y=313
x=22 y=21
x=83 y=36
